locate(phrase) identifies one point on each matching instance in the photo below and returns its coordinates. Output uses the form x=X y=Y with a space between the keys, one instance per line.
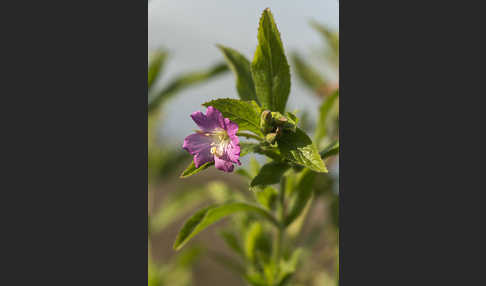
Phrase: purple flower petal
x=233 y=150
x=199 y=145
x=218 y=133
x=223 y=165
x=212 y=120
x=231 y=127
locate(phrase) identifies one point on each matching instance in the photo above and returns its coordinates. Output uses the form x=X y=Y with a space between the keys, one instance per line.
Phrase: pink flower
x=215 y=142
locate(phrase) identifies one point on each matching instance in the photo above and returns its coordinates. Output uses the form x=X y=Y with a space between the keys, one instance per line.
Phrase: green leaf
x=232 y=241
x=303 y=194
x=270 y=174
x=267 y=197
x=241 y=69
x=244 y=113
x=164 y=161
x=189 y=256
x=270 y=152
x=252 y=235
x=247 y=147
x=244 y=173
x=156 y=64
x=330 y=150
x=191 y=169
x=185 y=81
x=298 y=148
x=307 y=74
x=255 y=279
x=332 y=38
x=228 y=263
x=257 y=245
x=269 y=69
x=177 y=205
x=254 y=167
x=208 y=216
x=288 y=267
x=154 y=275
x=321 y=130
x=292 y=117
x=290 y=183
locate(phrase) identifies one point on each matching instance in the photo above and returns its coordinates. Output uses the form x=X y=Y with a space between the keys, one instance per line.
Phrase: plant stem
x=248 y=135
x=279 y=237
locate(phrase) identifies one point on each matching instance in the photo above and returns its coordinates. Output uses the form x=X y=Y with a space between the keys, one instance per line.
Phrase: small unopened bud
x=271 y=138
x=283 y=122
x=266 y=122
x=278 y=118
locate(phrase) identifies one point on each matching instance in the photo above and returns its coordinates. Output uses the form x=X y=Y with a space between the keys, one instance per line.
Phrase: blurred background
x=189 y=70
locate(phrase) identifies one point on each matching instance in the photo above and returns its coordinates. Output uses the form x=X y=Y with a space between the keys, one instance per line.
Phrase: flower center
x=220 y=141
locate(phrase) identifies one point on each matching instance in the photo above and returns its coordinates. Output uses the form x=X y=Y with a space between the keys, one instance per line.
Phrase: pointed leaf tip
x=269 y=68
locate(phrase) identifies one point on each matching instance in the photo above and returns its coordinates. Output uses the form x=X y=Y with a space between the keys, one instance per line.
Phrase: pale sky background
x=189 y=29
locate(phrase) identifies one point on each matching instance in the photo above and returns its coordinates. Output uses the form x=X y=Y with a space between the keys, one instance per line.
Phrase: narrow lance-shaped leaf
x=228 y=262
x=330 y=150
x=177 y=205
x=251 y=240
x=321 y=130
x=332 y=38
x=269 y=68
x=270 y=174
x=208 y=216
x=307 y=74
x=232 y=241
x=244 y=113
x=156 y=64
x=241 y=69
x=298 y=148
x=185 y=81
x=288 y=267
x=267 y=197
x=189 y=256
x=191 y=169
x=303 y=193
x=163 y=162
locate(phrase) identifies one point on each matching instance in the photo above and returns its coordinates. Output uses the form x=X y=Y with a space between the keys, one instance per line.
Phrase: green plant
x=284 y=188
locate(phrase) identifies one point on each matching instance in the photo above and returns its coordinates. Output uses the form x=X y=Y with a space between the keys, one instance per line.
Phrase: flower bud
x=278 y=118
x=271 y=138
x=266 y=122
x=283 y=122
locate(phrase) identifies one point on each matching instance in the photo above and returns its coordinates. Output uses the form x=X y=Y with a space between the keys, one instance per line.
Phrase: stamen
x=221 y=141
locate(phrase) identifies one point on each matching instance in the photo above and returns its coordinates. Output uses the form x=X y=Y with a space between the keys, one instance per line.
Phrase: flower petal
x=223 y=165
x=230 y=127
x=212 y=120
x=202 y=158
x=232 y=152
x=199 y=145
